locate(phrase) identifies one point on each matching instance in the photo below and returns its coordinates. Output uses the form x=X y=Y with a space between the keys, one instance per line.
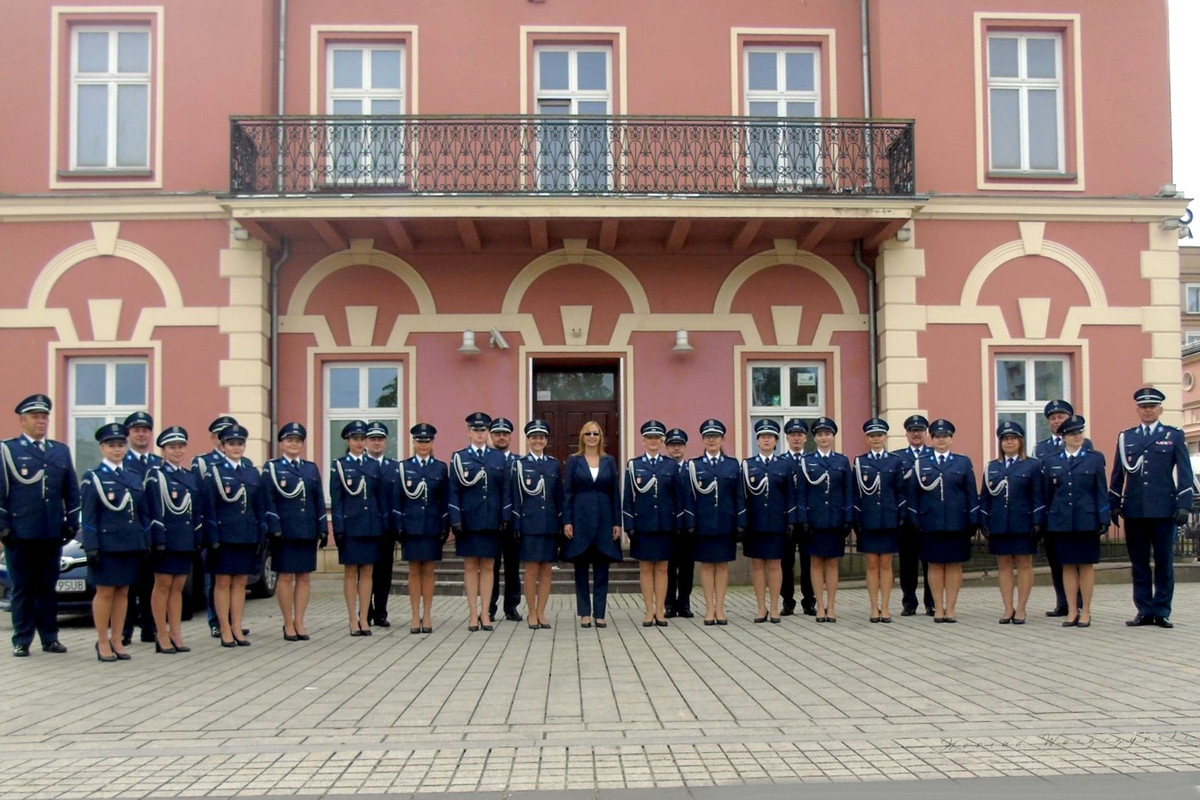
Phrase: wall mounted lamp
x=682 y=345
x=469 y=347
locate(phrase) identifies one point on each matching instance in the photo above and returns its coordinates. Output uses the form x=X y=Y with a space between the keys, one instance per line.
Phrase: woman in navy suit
x=356 y=506
x=421 y=510
x=1011 y=514
x=770 y=514
x=591 y=517
x=880 y=502
x=173 y=501
x=825 y=509
x=1077 y=516
x=714 y=503
x=536 y=496
x=115 y=535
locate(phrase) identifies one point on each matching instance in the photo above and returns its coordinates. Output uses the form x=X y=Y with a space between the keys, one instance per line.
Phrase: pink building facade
x=618 y=210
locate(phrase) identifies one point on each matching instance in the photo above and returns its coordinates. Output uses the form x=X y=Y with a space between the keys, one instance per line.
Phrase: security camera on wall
x=498 y=339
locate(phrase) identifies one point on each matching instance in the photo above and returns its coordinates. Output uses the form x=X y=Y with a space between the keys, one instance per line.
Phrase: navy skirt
x=881 y=542
x=715 y=549
x=1077 y=547
x=421 y=548
x=236 y=559
x=169 y=562
x=826 y=543
x=945 y=547
x=477 y=544
x=358 y=552
x=539 y=549
x=294 y=555
x=651 y=546
x=1012 y=544
x=763 y=545
x=116 y=569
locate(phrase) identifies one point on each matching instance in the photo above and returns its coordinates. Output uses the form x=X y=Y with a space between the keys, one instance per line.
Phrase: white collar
x=111 y=465
x=231 y=464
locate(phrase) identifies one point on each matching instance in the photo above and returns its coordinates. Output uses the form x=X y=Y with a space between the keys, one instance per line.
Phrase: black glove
x=93 y=558
x=444 y=536
x=1116 y=517
x=739 y=533
x=321 y=540
x=456 y=529
x=339 y=539
x=1181 y=516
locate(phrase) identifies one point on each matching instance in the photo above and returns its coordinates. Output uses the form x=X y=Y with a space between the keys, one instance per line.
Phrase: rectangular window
x=366 y=81
x=574 y=155
x=781 y=391
x=370 y=392
x=786 y=84
x=1191 y=298
x=1025 y=102
x=102 y=391
x=1191 y=338
x=1023 y=387
x=110 y=98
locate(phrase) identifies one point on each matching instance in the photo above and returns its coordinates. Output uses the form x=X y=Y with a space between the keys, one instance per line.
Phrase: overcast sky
x=1185 y=101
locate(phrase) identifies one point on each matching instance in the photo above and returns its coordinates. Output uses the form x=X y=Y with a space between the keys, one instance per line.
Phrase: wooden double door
x=567 y=395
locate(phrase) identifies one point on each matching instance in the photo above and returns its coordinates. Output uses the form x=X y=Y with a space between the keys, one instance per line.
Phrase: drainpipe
x=865 y=20
x=872 y=325
x=280 y=92
x=273 y=289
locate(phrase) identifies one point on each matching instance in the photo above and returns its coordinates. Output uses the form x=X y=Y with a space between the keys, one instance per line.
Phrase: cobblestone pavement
x=597 y=711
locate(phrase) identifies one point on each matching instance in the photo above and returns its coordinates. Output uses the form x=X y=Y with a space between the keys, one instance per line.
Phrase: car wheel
x=267 y=580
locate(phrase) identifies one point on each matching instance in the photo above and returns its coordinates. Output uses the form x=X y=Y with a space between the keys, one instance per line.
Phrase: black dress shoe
x=423 y=630
x=1056 y=612
x=382 y=623
x=670 y=613
x=180 y=648
x=167 y=651
x=242 y=642
x=214 y=632
x=1162 y=622
x=513 y=616
x=646 y=623
x=228 y=644
x=546 y=625
x=245 y=631
x=763 y=618
x=304 y=637
x=289 y=637
x=149 y=636
x=908 y=612
x=123 y=656
x=1071 y=623
x=686 y=613
x=127 y=639
x=774 y=620
x=58 y=647
x=929 y=612
x=710 y=622
x=488 y=628
x=21 y=651
x=1140 y=620
x=810 y=611
x=886 y=620
x=106 y=659
x=415 y=630
x=787 y=611
x=662 y=623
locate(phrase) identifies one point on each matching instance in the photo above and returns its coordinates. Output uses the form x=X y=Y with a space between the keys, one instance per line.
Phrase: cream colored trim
x=981 y=178
x=135 y=253
x=785 y=252
x=1050 y=209
x=155 y=181
x=741 y=432
x=735 y=62
x=53 y=358
x=1054 y=251
x=564 y=257
x=376 y=258
x=25 y=208
x=316 y=61
x=530 y=32
x=628 y=324
x=57 y=318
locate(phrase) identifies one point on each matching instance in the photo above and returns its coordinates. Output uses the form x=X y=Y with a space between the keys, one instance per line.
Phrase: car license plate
x=64 y=587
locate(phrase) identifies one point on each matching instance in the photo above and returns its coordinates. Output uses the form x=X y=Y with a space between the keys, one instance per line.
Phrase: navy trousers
x=787 y=589
x=591 y=601
x=910 y=558
x=508 y=566
x=1145 y=537
x=681 y=570
x=33 y=567
x=381 y=579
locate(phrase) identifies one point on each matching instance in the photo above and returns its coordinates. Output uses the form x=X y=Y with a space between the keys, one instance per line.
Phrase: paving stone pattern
x=622 y=708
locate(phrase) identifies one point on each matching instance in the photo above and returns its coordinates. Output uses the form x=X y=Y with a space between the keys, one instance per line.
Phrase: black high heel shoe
x=292 y=637
x=105 y=659
x=180 y=648
x=121 y=656
x=167 y=651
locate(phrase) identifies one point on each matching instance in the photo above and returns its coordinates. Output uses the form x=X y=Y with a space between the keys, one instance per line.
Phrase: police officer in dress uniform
x=421 y=516
x=825 y=509
x=650 y=516
x=1152 y=489
x=381 y=576
x=714 y=504
x=297 y=526
x=1077 y=515
x=176 y=524
x=509 y=562
x=234 y=531
x=915 y=429
x=139 y=460
x=200 y=465
x=479 y=514
x=771 y=498
x=946 y=511
x=681 y=566
x=796 y=433
x=116 y=537
x=880 y=503
x=1056 y=412
x=1012 y=515
x=536 y=496
x=39 y=512
x=356 y=506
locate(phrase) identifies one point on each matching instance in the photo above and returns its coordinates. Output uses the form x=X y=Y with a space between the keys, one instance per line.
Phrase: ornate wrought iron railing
x=529 y=155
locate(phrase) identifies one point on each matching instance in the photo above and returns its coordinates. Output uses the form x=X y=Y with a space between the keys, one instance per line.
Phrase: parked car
x=75 y=591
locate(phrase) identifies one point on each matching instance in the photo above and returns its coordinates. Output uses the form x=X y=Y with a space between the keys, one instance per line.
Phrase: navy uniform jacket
x=387 y=490
x=824 y=502
x=1144 y=481
x=479 y=489
x=115 y=518
x=356 y=501
x=39 y=493
x=652 y=499
x=714 y=502
x=421 y=503
x=204 y=461
x=946 y=497
x=1012 y=499
x=133 y=463
x=294 y=500
x=881 y=493
x=770 y=489
x=1046 y=447
x=233 y=505
x=1076 y=496
x=593 y=507
x=536 y=496
x=174 y=504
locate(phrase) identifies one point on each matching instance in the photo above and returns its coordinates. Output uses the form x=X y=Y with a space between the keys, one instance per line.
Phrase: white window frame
x=1023 y=85
x=366 y=171
x=392 y=417
x=1033 y=408
x=111 y=80
x=782 y=413
x=1191 y=337
x=110 y=411
x=1191 y=291
x=787 y=172
x=572 y=96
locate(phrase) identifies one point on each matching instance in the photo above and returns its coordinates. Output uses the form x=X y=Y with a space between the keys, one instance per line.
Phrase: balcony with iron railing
x=590 y=156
